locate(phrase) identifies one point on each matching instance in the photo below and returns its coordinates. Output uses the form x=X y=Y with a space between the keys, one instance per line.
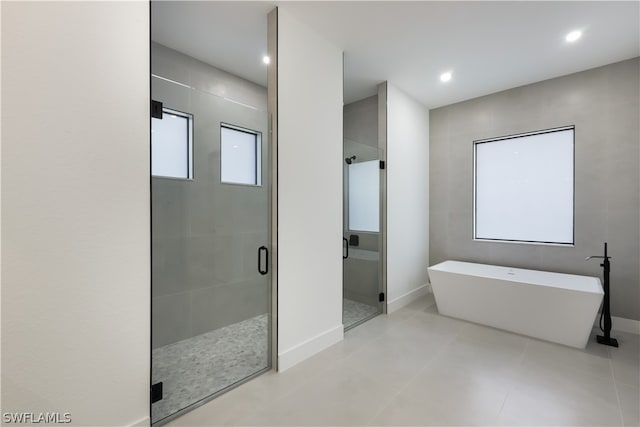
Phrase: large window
x=240 y=156
x=172 y=145
x=524 y=187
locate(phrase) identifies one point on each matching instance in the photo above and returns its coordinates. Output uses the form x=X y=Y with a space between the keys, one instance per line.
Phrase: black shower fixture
x=350 y=160
x=605 y=315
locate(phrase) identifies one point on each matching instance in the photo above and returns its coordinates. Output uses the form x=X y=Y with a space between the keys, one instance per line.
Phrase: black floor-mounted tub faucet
x=606 y=313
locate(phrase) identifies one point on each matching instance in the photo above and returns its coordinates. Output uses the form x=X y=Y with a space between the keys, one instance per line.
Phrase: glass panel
x=171 y=145
x=239 y=151
x=364 y=196
x=210 y=305
x=362 y=268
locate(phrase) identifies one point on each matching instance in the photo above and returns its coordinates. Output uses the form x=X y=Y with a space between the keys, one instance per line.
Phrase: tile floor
x=354 y=312
x=197 y=367
x=415 y=367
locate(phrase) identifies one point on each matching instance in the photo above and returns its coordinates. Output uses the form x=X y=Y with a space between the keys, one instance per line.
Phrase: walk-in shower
x=363 y=293
x=211 y=216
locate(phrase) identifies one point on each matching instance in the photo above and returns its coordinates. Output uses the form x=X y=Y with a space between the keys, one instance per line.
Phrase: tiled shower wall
x=205 y=234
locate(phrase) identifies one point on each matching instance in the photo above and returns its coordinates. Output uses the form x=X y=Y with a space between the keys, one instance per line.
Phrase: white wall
x=75 y=210
x=407 y=198
x=309 y=191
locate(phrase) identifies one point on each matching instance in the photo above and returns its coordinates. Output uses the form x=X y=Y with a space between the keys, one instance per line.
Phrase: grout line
x=329 y=364
x=513 y=382
x=308 y=377
x=615 y=387
x=325 y=366
x=404 y=387
x=332 y=362
x=411 y=380
x=379 y=337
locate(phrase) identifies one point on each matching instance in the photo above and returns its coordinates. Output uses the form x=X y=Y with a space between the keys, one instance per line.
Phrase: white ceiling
x=489 y=46
x=231 y=36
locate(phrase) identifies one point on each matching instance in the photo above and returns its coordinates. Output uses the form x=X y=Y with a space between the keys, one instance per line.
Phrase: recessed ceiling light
x=266 y=59
x=573 y=36
x=445 y=77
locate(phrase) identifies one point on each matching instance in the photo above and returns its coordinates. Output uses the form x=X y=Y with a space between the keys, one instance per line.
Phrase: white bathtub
x=550 y=306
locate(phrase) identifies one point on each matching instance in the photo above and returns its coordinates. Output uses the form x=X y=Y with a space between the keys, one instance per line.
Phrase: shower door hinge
x=156 y=392
x=156 y=109
x=381 y=297
x=381 y=164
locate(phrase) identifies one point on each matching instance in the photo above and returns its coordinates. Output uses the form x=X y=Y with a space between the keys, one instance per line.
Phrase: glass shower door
x=211 y=284
x=362 y=285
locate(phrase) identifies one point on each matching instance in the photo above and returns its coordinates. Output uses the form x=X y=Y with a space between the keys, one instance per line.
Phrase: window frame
x=573 y=201
x=258 y=154
x=190 y=143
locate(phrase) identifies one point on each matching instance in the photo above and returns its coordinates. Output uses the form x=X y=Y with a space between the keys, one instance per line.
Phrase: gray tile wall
x=361 y=280
x=205 y=235
x=171 y=64
x=360 y=122
x=603 y=104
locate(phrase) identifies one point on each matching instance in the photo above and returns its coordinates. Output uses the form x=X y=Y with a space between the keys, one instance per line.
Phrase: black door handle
x=262 y=249
x=345 y=249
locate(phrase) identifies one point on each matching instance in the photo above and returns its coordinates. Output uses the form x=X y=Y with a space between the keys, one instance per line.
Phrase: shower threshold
x=354 y=313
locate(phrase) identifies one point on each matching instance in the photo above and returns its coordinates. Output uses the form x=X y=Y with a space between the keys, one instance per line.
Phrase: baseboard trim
x=296 y=354
x=144 y=422
x=406 y=299
x=621 y=324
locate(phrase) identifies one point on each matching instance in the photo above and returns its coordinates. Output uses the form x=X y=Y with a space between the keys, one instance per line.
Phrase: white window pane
x=240 y=155
x=170 y=146
x=364 y=196
x=524 y=188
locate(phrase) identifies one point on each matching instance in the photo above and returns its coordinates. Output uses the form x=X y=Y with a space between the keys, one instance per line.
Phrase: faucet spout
x=597 y=256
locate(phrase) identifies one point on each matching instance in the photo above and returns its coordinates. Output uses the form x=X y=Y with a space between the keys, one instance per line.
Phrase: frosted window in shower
x=239 y=156
x=524 y=187
x=364 y=196
x=171 y=145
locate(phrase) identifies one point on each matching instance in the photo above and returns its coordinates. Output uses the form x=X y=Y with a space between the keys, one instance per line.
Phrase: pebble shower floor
x=195 y=368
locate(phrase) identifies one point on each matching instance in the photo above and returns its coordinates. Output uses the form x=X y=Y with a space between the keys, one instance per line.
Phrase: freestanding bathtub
x=550 y=306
